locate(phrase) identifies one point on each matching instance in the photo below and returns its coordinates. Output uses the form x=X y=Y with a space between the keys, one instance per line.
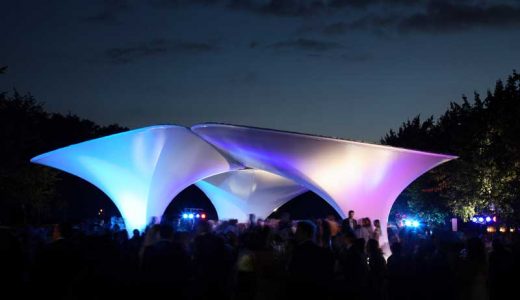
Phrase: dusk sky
x=343 y=68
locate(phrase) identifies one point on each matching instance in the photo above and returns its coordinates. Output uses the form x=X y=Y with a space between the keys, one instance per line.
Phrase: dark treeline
x=29 y=193
x=484 y=133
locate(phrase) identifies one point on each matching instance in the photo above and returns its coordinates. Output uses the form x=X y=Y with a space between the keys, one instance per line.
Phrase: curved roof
x=142 y=170
x=349 y=175
x=238 y=193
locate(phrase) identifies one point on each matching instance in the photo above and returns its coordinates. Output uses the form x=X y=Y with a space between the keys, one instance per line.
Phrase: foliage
x=485 y=135
x=29 y=193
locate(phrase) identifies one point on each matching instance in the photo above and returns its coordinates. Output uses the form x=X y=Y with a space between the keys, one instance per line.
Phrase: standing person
x=471 y=273
x=377 y=230
x=365 y=231
x=334 y=227
x=212 y=263
x=352 y=223
x=166 y=265
x=311 y=267
x=349 y=225
x=398 y=268
x=377 y=270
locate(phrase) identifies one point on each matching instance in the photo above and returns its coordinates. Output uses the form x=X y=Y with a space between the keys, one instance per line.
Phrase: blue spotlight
x=415 y=223
x=488 y=219
x=480 y=220
x=407 y=223
x=474 y=219
x=184 y=216
x=190 y=216
x=197 y=216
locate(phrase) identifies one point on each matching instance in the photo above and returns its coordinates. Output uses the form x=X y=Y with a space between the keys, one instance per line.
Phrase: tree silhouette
x=30 y=193
x=484 y=134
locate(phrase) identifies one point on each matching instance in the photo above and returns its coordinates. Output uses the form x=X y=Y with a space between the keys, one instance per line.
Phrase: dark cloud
x=307 y=44
x=283 y=7
x=352 y=3
x=336 y=28
x=293 y=7
x=367 y=3
x=357 y=57
x=310 y=7
x=375 y=22
x=435 y=16
x=180 y=3
x=156 y=48
x=368 y=22
x=443 y=16
x=109 y=11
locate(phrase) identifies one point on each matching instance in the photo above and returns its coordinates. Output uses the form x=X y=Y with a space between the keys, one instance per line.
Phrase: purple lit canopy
x=349 y=175
x=241 y=169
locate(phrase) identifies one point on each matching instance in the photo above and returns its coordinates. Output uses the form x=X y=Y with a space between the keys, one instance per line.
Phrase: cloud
x=367 y=3
x=109 y=12
x=123 y=55
x=371 y=22
x=336 y=28
x=443 y=16
x=357 y=57
x=310 y=7
x=179 y=3
x=294 y=8
x=433 y=16
x=307 y=44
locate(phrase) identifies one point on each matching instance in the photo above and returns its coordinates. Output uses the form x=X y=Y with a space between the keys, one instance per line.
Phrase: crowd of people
x=260 y=259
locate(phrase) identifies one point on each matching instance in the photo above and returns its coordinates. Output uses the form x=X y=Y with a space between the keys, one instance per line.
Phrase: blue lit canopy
x=140 y=170
x=235 y=194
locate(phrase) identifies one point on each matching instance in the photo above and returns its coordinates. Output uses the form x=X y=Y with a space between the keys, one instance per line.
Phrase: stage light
x=190 y=216
x=488 y=219
x=511 y=229
x=203 y=216
x=184 y=216
x=197 y=216
x=415 y=224
x=407 y=223
x=491 y=229
x=480 y=219
x=474 y=219
x=494 y=219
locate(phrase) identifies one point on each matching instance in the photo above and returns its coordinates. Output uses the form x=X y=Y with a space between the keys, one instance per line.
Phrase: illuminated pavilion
x=241 y=169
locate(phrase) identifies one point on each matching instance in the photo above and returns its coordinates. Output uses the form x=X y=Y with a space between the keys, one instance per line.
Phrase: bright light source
x=203 y=216
x=197 y=216
x=184 y=216
x=494 y=219
x=488 y=219
x=408 y=223
x=474 y=219
x=190 y=216
x=415 y=223
x=503 y=229
x=480 y=219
